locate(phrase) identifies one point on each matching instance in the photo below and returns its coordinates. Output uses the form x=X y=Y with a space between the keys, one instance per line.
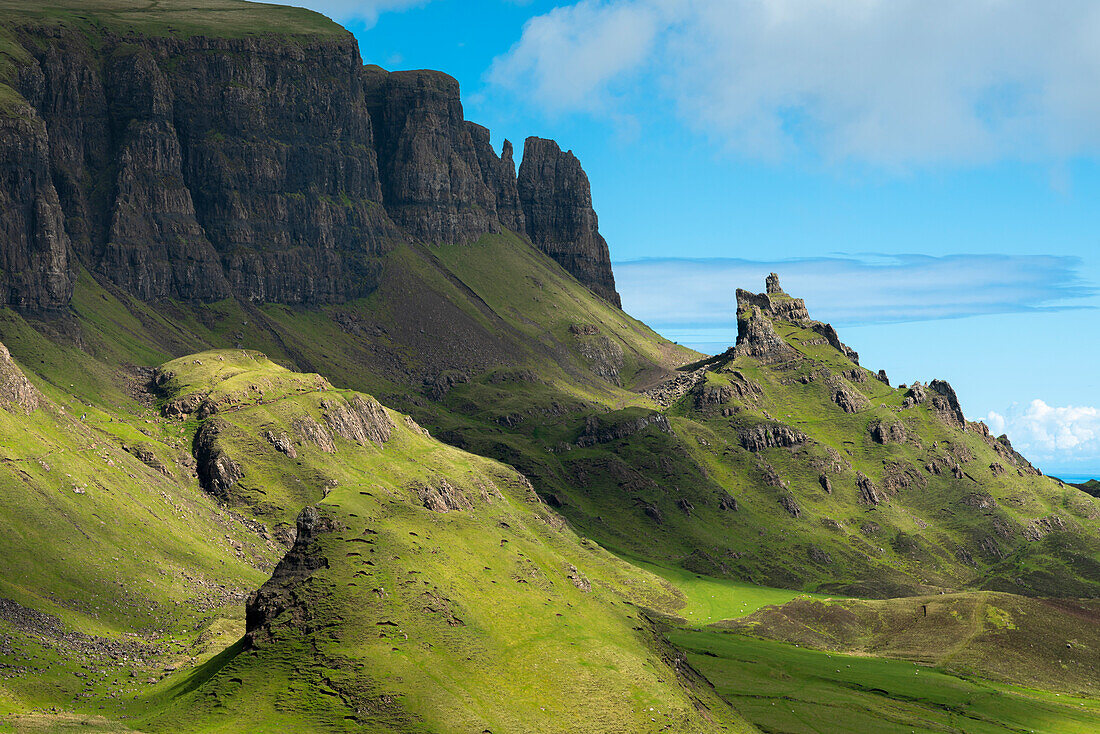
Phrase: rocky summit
x=316 y=416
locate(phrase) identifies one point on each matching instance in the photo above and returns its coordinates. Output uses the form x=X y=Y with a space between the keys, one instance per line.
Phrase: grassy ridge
x=176 y=18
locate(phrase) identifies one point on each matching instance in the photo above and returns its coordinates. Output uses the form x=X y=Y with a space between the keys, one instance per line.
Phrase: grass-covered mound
x=426 y=590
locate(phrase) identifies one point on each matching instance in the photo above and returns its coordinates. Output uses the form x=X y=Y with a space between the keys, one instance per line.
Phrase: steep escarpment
x=557 y=204
x=202 y=167
x=271 y=168
x=36 y=273
x=441 y=179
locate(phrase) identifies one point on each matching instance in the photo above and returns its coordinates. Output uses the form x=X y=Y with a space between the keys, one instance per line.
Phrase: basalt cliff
x=272 y=167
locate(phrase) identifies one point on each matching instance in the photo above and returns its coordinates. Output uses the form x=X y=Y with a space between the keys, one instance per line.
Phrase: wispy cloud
x=1067 y=435
x=678 y=296
x=890 y=82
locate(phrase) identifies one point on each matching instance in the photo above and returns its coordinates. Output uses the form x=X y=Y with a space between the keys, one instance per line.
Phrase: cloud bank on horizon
x=885 y=82
x=1068 y=435
x=681 y=293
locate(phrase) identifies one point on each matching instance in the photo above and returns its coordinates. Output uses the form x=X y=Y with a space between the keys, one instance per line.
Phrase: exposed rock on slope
x=557 y=205
x=15 y=389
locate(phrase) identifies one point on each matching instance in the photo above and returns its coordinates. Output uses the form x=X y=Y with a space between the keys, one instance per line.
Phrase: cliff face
x=274 y=168
x=203 y=167
x=35 y=272
x=557 y=204
x=440 y=177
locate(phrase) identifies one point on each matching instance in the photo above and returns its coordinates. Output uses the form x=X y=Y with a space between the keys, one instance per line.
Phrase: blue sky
x=926 y=173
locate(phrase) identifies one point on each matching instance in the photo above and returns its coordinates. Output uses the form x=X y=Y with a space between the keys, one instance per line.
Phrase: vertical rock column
x=557 y=206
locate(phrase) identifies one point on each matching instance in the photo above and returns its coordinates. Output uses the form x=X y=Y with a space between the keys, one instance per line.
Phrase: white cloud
x=569 y=55
x=1064 y=435
x=890 y=82
x=364 y=11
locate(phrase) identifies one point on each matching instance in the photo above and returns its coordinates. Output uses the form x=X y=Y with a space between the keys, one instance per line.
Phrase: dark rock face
x=947 y=402
x=266 y=168
x=771 y=283
x=756 y=336
x=499 y=174
x=200 y=167
x=557 y=206
x=218 y=472
x=277 y=595
x=152 y=203
x=428 y=160
x=36 y=274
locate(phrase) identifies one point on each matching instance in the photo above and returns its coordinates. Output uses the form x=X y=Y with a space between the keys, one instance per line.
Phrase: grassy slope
x=793 y=690
x=1043 y=643
x=465 y=620
x=127 y=555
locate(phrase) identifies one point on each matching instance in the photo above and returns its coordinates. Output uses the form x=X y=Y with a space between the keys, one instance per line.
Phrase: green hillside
x=216 y=453
x=448 y=488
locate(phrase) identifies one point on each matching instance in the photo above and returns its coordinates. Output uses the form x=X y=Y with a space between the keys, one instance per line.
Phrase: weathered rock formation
x=758 y=336
x=597 y=430
x=270 y=168
x=557 y=205
x=763 y=436
x=36 y=274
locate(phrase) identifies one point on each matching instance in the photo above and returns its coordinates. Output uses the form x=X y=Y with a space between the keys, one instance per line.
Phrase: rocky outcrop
x=16 y=391
x=557 y=205
x=763 y=436
x=756 y=337
x=946 y=402
x=277 y=595
x=790 y=505
x=218 y=472
x=869 y=494
x=888 y=432
x=771 y=283
x=848 y=398
x=442 y=496
x=1036 y=530
x=830 y=335
x=360 y=419
x=597 y=430
x=776 y=304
